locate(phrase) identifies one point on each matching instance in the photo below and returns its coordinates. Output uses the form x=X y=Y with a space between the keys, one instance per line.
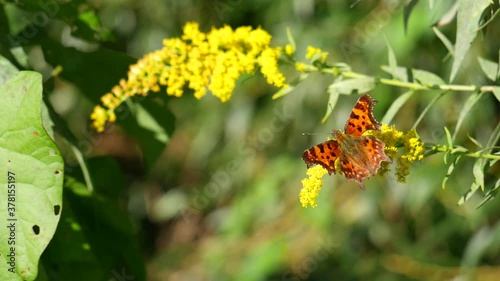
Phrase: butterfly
x=359 y=156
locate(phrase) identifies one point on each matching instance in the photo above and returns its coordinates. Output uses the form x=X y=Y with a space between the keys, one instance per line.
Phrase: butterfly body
x=359 y=156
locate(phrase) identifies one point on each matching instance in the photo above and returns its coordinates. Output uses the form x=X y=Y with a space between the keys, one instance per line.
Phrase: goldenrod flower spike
x=203 y=62
x=312 y=185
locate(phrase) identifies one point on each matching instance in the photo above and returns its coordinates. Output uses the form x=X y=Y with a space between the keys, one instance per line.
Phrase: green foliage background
x=187 y=189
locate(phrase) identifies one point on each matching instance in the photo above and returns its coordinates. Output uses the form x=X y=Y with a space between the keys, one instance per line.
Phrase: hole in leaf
x=36 y=229
x=57 y=172
x=57 y=209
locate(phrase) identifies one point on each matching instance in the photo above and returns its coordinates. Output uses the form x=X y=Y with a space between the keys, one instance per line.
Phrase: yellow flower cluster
x=312 y=185
x=200 y=61
x=412 y=149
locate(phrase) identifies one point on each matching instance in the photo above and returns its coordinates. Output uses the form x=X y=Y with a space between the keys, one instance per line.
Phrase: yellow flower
x=312 y=185
x=300 y=66
x=289 y=50
x=312 y=52
x=202 y=62
x=99 y=117
x=406 y=147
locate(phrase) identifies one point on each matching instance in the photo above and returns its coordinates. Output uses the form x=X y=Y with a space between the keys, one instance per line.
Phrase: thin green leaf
x=447 y=43
x=474 y=141
x=495 y=136
x=433 y=101
x=411 y=75
x=490 y=68
x=360 y=85
x=448 y=137
x=459 y=149
x=468 y=16
x=332 y=101
x=393 y=64
x=407 y=12
x=471 y=101
x=395 y=106
x=289 y=36
x=450 y=170
x=478 y=171
x=490 y=194
x=282 y=92
x=496 y=92
x=468 y=194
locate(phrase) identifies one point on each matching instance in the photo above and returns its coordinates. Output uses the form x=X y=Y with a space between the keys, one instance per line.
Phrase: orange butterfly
x=360 y=156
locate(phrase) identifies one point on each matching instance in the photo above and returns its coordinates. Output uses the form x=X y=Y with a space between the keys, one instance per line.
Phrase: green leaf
x=407 y=11
x=393 y=64
x=450 y=170
x=478 y=172
x=448 y=137
x=289 y=36
x=360 y=85
x=471 y=101
x=467 y=195
x=332 y=101
x=433 y=101
x=282 y=92
x=468 y=16
x=476 y=142
x=447 y=43
x=496 y=92
x=395 y=106
x=490 y=194
x=35 y=165
x=490 y=68
x=414 y=75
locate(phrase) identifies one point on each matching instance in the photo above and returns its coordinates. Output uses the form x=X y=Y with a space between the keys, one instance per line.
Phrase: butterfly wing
x=361 y=118
x=366 y=161
x=323 y=154
x=353 y=170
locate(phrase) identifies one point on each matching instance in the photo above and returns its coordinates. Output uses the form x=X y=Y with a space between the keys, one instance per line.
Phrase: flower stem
x=409 y=85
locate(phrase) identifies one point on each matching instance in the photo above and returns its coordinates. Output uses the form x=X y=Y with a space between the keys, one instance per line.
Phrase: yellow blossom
x=406 y=147
x=312 y=52
x=312 y=185
x=289 y=50
x=202 y=62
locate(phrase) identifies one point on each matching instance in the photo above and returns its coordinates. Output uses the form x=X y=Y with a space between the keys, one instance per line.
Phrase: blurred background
x=216 y=198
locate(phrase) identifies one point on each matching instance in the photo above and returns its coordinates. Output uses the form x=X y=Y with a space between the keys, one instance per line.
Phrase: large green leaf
x=468 y=16
x=31 y=175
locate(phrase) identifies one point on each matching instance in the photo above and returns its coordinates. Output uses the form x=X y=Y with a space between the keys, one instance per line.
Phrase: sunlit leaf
x=490 y=68
x=478 y=172
x=332 y=101
x=282 y=92
x=496 y=92
x=414 y=75
x=32 y=176
x=468 y=16
x=407 y=11
x=360 y=85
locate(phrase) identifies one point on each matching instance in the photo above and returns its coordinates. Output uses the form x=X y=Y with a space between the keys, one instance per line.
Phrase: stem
x=442 y=148
x=409 y=85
